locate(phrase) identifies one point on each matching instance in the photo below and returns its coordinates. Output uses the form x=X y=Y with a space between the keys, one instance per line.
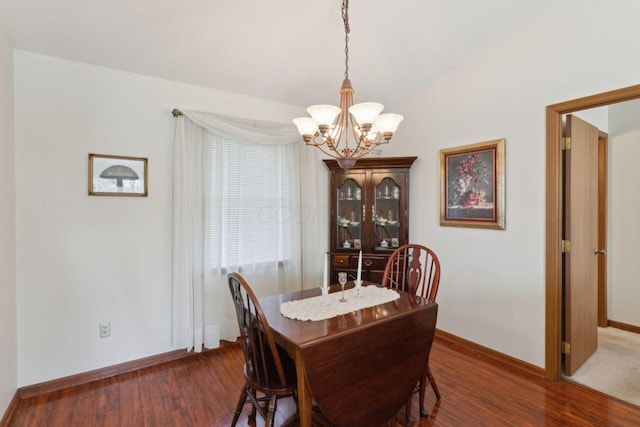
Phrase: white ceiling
x=284 y=50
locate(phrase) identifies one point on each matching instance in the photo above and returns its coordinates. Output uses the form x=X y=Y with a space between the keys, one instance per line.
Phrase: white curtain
x=202 y=309
x=313 y=213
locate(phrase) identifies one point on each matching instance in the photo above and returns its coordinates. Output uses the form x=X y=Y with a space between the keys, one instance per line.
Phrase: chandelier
x=350 y=131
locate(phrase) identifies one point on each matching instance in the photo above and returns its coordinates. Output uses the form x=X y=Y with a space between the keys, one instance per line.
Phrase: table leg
x=304 y=393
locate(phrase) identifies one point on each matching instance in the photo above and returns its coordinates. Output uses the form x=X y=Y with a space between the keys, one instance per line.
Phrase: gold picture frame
x=472 y=185
x=117 y=175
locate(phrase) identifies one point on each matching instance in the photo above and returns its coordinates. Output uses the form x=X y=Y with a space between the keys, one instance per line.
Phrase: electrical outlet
x=105 y=329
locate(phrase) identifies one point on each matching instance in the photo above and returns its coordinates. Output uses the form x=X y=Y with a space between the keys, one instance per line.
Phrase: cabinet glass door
x=387 y=214
x=349 y=211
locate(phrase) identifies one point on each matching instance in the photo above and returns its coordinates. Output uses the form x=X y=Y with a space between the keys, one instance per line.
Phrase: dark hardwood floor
x=202 y=391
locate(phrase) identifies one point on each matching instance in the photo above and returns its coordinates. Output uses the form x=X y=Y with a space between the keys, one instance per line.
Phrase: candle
x=358 y=281
x=325 y=281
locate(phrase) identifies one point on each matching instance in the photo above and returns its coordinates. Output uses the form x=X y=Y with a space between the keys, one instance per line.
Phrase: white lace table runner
x=314 y=308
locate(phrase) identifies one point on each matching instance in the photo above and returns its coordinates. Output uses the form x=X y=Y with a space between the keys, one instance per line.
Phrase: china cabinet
x=369 y=212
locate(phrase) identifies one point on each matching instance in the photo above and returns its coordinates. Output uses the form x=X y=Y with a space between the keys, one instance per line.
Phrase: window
x=249 y=203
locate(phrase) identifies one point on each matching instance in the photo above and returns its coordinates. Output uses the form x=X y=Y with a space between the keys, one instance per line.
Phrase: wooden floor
x=202 y=391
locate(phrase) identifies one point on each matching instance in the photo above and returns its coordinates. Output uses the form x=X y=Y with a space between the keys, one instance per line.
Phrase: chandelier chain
x=347 y=30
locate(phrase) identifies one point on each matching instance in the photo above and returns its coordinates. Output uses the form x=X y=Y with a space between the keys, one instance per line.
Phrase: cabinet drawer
x=341 y=261
x=370 y=263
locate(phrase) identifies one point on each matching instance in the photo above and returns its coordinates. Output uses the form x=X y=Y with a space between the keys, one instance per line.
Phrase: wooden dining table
x=359 y=368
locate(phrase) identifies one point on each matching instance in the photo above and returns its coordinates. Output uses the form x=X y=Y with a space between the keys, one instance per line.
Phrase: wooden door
x=581 y=230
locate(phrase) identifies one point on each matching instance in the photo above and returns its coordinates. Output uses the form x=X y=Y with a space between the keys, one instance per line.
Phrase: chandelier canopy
x=330 y=128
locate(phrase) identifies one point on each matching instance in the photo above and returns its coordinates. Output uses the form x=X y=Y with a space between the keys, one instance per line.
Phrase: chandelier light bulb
x=369 y=134
x=306 y=125
x=323 y=114
x=388 y=122
x=366 y=112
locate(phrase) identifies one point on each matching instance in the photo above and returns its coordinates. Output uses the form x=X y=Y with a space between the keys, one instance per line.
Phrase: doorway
x=554 y=199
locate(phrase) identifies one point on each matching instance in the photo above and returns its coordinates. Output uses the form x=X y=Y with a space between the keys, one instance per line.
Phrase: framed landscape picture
x=117 y=175
x=472 y=185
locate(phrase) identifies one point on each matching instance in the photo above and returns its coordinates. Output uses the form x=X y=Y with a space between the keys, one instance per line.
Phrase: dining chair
x=416 y=269
x=268 y=370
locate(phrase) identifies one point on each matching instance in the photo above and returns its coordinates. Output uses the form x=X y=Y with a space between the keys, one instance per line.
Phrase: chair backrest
x=413 y=268
x=262 y=362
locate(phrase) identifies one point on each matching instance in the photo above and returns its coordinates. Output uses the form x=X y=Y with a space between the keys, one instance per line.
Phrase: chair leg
x=240 y=405
x=407 y=409
x=271 y=413
x=432 y=380
x=422 y=386
x=426 y=377
x=252 y=414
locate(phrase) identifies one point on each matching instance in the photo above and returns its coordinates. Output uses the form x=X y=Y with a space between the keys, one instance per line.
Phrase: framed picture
x=117 y=175
x=472 y=185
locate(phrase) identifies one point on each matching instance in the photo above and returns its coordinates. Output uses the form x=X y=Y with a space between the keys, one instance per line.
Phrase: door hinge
x=565 y=246
x=566 y=143
x=566 y=347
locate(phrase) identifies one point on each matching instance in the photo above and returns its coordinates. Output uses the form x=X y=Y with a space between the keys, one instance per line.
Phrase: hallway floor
x=614 y=368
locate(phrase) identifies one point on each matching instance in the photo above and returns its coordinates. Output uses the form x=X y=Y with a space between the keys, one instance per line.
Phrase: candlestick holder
x=325 y=295
x=358 y=287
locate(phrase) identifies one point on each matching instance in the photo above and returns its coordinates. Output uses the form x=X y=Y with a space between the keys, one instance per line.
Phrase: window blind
x=248 y=204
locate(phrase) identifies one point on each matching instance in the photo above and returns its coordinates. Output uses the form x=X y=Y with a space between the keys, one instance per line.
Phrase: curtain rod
x=176 y=112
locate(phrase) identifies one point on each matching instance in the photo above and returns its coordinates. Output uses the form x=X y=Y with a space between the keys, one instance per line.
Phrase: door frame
x=554 y=197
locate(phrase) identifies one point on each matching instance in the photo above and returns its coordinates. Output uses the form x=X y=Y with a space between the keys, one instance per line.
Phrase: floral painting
x=472 y=185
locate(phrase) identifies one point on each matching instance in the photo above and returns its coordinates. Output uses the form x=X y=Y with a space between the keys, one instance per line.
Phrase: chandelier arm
x=357 y=138
x=317 y=140
x=339 y=127
x=347 y=124
x=366 y=142
x=329 y=139
x=322 y=147
x=345 y=119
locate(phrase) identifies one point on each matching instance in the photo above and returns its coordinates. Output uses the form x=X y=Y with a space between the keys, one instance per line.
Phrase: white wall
x=623 y=246
x=492 y=290
x=8 y=325
x=83 y=260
